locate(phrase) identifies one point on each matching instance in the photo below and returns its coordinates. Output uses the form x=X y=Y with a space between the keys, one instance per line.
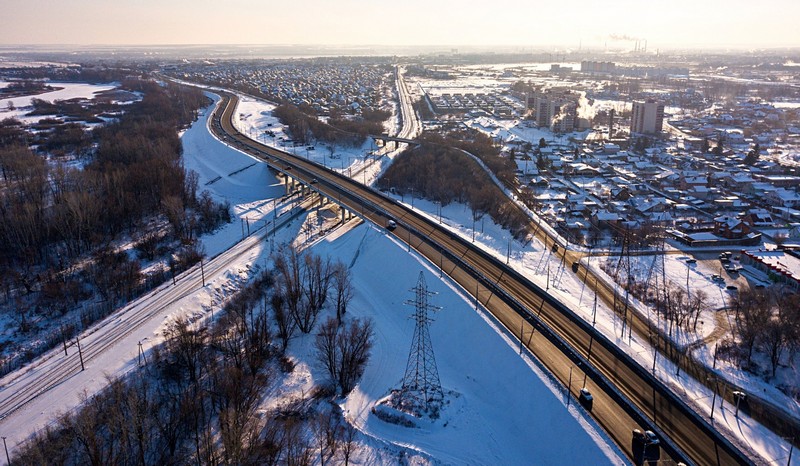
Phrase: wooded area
x=439 y=171
x=197 y=398
x=305 y=127
x=56 y=215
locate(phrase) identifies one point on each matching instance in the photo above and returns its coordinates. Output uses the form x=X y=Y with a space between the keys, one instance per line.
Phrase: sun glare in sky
x=588 y=23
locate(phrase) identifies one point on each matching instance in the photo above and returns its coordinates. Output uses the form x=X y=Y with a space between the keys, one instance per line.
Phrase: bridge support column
x=287 y=180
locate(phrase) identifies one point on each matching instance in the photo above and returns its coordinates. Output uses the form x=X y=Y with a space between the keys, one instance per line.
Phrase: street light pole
x=569 y=385
x=714 y=400
x=8 y=459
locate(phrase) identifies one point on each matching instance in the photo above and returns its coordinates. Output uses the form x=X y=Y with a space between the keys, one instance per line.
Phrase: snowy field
x=23 y=104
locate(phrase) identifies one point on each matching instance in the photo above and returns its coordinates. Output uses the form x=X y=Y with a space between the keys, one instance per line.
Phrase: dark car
x=585 y=398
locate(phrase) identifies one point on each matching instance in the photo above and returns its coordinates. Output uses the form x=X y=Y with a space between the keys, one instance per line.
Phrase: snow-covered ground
x=22 y=105
x=538 y=264
x=502 y=410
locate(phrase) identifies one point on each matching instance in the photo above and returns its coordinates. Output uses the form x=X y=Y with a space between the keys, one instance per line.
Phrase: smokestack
x=645 y=45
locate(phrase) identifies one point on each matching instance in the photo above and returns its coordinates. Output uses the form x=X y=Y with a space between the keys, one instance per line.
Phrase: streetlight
x=569 y=384
x=714 y=400
x=791 y=449
x=738 y=396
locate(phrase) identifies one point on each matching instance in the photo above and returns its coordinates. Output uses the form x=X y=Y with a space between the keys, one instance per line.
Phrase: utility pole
x=64 y=340
x=548 y=277
x=714 y=400
x=142 y=356
x=80 y=353
x=569 y=385
x=8 y=459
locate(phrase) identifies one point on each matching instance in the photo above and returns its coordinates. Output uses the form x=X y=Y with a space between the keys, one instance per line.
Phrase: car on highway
x=691 y=261
x=391 y=225
x=314 y=181
x=732 y=288
x=651 y=438
x=585 y=398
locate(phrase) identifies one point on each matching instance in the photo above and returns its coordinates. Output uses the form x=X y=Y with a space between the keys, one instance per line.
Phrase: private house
x=731 y=227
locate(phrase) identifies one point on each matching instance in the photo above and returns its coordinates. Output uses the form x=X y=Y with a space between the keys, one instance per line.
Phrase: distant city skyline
x=613 y=24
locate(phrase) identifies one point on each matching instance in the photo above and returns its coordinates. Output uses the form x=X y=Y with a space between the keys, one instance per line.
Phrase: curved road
x=626 y=395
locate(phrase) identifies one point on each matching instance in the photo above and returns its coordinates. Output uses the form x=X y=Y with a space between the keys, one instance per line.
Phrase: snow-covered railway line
x=51 y=370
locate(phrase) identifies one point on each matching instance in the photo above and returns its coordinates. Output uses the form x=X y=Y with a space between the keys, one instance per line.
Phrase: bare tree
x=317 y=278
x=354 y=345
x=348 y=441
x=753 y=311
x=342 y=288
x=344 y=351
x=697 y=303
x=286 y=325
x=326 y=347
x=325 y=425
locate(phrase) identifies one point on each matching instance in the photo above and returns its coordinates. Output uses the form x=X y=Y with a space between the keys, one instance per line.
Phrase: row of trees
x=198 y=397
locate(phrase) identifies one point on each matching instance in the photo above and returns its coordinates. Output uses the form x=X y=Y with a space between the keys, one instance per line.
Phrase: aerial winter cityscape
x=355 y=234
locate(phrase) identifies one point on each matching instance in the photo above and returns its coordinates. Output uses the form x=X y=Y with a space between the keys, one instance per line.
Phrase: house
x=688 y=182
x=759 y=218
x=783 y=198
x=731 y=227
x=648 y=206
x=606 y=219
x=621 y=193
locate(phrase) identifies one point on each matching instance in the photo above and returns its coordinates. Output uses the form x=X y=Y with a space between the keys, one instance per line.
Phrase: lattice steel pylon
x=422 y=390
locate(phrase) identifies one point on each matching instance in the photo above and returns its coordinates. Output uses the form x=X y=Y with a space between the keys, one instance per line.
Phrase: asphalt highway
x=626 y=396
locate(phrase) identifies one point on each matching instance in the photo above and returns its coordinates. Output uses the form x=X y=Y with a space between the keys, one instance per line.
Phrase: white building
x=648 y=117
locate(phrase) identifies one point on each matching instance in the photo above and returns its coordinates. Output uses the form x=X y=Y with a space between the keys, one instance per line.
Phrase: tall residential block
x=648 y=117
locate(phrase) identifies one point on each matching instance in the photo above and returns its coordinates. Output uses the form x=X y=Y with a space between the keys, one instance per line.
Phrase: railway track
x=53 y=369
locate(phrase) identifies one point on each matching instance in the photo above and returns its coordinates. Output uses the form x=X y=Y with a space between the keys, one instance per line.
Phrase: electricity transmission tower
x=422 y=391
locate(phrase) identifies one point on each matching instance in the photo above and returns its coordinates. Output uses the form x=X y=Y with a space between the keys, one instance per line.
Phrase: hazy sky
x=740 y=23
